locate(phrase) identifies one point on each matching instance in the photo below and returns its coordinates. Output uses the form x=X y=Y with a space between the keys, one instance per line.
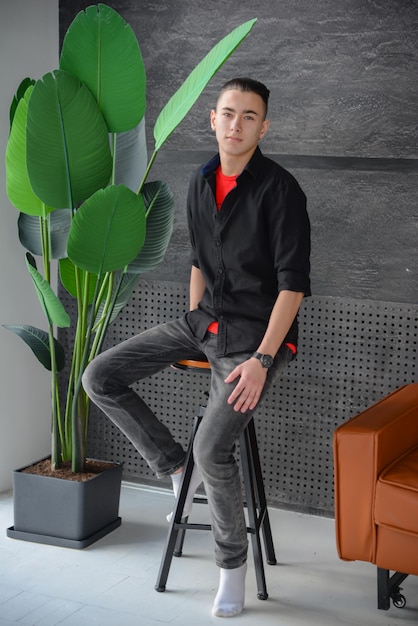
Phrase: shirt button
x=218 y=243
x=220 y=270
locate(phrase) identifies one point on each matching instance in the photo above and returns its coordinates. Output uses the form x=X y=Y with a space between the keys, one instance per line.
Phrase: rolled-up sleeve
x=290 y=237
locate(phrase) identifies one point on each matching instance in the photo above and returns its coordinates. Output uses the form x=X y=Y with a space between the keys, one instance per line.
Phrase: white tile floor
x=112 y=582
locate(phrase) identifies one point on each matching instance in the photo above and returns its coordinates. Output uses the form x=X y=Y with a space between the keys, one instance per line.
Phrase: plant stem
x=147 y=171
x=106 y=323
x=82 y=347
x=56 y=425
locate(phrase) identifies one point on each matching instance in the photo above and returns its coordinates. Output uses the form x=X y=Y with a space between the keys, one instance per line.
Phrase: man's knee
x=202 y=452
x=92 y=379
x=208 y=451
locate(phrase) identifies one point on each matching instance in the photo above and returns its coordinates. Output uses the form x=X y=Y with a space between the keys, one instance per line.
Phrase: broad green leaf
x=131 y=157
x=18 y=187
x=159 y=227
x=50 y=303
x=68 y=153
x=101 y=49
x=20 y=93
x=184 y=98
x=38 y=342
x=108 y=230
x=59 y=227
x=68 y=279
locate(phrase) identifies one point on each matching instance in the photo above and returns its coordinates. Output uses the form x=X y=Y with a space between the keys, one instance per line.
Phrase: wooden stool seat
x=258 y=517
x=192 y=365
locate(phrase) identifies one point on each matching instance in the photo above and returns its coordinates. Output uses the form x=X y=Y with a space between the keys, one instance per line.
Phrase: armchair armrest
x=363 y=447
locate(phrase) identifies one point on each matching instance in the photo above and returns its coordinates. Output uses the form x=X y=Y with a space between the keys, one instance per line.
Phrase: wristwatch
x=265 y=359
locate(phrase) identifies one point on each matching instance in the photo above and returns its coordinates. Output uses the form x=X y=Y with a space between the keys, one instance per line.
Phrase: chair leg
x=388 y=588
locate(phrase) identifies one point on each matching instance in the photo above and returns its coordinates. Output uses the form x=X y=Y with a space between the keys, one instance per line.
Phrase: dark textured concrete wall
x=343 y=119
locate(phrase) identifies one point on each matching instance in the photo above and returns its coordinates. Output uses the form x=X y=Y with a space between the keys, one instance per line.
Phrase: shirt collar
x=253 y=166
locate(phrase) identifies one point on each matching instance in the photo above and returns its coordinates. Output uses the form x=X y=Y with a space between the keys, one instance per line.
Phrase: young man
x=250 y=239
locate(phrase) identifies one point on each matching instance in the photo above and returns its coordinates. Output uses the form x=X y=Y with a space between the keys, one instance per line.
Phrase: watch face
x=266 y=360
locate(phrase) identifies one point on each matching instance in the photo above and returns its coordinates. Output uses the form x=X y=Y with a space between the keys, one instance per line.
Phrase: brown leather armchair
x=376 y=490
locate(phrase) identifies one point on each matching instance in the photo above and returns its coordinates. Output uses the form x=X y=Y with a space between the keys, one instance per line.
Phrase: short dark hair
x=248 y=84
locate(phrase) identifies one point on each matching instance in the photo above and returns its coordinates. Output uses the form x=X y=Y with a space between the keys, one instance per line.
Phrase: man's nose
x=236 y=124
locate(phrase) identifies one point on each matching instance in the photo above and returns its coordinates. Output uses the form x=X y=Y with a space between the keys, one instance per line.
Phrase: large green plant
x=84 y=198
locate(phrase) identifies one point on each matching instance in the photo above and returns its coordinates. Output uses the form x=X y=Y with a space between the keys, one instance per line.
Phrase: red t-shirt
x=224 y=184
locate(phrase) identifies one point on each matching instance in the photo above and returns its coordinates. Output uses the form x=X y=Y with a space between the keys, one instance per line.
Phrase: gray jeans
x=107 y=381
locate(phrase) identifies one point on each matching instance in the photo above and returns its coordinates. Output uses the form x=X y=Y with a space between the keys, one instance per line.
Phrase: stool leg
x=261 y=495
x=256 y=506
x=178 y=548
x=175 y=537
x=253 y=529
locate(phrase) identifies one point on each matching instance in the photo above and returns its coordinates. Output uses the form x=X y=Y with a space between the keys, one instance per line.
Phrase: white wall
x=29 y=41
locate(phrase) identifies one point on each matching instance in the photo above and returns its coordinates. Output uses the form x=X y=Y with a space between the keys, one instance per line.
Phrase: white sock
x=230 y=598
x=195 y=482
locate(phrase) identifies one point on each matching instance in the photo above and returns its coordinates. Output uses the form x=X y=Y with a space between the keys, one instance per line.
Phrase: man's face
x=239 y=123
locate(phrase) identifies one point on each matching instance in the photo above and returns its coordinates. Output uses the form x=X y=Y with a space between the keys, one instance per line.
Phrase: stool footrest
x=187 y=526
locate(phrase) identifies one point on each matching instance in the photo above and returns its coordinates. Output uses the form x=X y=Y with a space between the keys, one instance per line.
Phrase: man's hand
x=252 y=377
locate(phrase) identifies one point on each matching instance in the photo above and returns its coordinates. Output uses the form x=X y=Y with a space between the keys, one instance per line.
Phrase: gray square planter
x=63 y=512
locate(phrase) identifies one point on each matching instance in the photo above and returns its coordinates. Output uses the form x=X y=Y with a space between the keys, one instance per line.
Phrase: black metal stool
x=258 y=517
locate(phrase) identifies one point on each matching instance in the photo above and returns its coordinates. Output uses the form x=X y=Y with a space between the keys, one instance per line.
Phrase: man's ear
x=264 y=128
x=212 y=119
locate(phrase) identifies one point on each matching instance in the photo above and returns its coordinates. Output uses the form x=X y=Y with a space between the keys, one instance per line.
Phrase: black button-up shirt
x=257 y=245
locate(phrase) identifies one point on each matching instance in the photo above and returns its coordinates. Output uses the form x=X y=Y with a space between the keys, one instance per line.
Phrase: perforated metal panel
x=351 y=353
